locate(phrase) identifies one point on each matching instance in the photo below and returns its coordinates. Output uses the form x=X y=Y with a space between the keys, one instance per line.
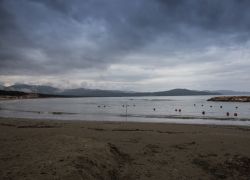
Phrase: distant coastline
x=10 y=94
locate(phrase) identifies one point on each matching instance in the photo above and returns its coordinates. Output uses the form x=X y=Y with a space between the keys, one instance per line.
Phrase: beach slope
x=72 y=150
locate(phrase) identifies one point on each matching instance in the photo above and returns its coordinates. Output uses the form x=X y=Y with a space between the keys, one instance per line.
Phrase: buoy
x=235 y=114
x=227 y=113
x=179 y=110
x=176 y=110
x=154 y=109
x=203 y=112
x=236 y=107
x=202 y=105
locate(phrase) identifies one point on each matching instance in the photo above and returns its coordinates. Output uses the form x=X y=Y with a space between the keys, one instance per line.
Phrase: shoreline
x=170 y=121
x=119 y=123
x=71 y=149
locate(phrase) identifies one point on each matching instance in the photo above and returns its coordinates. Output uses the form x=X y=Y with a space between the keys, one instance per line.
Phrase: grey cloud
x=56 y=36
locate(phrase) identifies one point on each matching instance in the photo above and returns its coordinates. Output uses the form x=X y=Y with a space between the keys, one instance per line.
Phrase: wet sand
x=72 y=150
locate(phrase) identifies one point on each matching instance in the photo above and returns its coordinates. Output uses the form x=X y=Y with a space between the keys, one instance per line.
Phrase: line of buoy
x=176 y=110
x=227 y=114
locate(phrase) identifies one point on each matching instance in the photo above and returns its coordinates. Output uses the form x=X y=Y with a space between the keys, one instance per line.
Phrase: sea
x=161 y=109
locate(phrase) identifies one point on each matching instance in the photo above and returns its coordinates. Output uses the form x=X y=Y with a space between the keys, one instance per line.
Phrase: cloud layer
x=135 y=45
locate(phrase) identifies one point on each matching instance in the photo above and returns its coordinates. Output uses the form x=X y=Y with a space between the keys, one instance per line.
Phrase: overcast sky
x=142 y=45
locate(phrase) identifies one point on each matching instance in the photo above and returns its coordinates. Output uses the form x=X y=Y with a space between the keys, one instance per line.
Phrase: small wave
x=186 y=117
x=19 y=110
x=39 y=112
x=153 y=99
x=62 y=113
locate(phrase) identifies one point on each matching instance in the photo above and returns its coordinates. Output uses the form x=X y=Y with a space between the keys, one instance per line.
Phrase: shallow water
x=139 y=109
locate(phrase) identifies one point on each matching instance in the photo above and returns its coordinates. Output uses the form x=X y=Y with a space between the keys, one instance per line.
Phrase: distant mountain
x=83 y=92
x=4 y=94
x=94 y=92
x=109 y=93
x=12 y=93
x=229 y=92
x=1 y=87
x=42 y=89
x=184 y=92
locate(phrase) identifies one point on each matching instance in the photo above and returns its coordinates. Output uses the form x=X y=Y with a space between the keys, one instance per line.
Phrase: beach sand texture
x=72 y=150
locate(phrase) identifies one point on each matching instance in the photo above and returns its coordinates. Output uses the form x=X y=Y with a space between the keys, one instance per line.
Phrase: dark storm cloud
x=56 y=36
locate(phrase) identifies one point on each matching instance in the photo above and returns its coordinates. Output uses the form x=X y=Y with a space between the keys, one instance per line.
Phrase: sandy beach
x=72 y=150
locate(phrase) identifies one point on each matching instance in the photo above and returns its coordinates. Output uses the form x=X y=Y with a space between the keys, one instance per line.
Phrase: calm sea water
x=139 y=109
